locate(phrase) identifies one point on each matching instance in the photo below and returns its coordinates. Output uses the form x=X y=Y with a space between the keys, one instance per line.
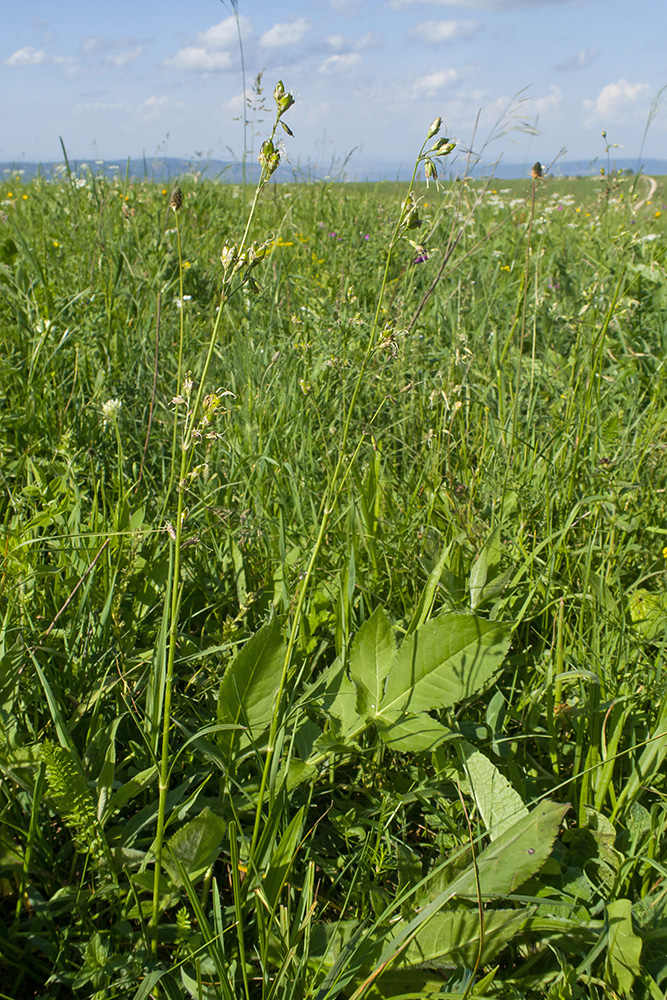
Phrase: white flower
x=111 y=410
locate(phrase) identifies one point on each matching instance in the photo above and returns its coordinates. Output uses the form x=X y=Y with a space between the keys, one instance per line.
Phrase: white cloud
x=27 y=56
x=287 y=33
x=432 y=84
x=371 y=40
x=581 y=59
x=153 y=108
x=336 y=64
x=122 y=59
x=437 y=32
x=208 y=52
x=348 y=8
x=616 y=99
x=225 y=34
x=197 y=59
x=542 y=105
x=149 y=110
x=98 y=107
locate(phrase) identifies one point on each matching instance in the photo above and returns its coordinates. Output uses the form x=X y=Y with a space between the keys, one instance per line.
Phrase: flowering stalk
x=408 y=221
x=238 y=262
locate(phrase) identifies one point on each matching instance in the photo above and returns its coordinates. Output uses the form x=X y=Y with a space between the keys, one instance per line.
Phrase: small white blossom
x=110 y=411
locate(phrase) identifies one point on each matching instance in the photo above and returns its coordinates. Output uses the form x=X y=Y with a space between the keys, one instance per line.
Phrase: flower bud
x=430 y=170
x=436 y=125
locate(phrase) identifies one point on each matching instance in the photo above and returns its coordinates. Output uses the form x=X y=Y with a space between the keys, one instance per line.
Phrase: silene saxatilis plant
x=337 y=670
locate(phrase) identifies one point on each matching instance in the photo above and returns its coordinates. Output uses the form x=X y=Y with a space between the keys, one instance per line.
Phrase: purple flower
x=421 y=258
x=367 y=237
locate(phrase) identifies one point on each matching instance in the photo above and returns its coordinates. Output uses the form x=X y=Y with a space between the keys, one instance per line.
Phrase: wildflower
x=421 y=258
x=56 y=244
x=179 y=303
x=505 y=267
x=111 y=411
x=664 y=552
x=25 y=198
x=657 y=214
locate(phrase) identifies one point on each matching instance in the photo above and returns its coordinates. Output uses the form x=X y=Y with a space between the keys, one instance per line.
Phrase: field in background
x=506 y=457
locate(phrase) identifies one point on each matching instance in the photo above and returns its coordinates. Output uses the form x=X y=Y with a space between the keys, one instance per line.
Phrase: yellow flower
x=10 y=194
x=664 y=552
x=25 y=198
x=56 y=244
x=656 y=215
x=164 y=190
x=505 y=267
x=186 y=263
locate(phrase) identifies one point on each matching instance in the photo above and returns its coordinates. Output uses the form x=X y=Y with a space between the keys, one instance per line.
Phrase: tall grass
x=201 y=792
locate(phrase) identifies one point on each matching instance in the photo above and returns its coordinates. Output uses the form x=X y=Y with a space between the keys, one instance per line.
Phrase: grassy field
x=333 y=589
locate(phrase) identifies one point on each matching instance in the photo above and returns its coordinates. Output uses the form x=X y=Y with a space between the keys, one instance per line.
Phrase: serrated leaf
x=412 y=733
x=516 y=854
x=445 y=661
x=499 y=804
x=194 y=846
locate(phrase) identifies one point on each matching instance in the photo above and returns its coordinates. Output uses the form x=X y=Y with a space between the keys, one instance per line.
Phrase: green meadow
x=333 y=595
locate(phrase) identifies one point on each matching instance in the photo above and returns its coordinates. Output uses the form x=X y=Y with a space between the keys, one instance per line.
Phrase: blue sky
x=131 y=78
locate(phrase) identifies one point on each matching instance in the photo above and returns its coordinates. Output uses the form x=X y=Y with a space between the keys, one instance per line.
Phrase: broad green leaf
x=624 y=949
x=195 y=845
x=478 y=578
x=499 y=804
x=412 y=733
x=514 y=857
x=447 y=660
x=452 y=938
x=516 y=854
x=502 y=866
x=249 y=687
x=339 y=701
x=372 y=651
x=486 y=564
x=283 y=859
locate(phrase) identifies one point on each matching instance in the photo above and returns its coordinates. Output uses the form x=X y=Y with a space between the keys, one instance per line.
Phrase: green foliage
x=468 y=433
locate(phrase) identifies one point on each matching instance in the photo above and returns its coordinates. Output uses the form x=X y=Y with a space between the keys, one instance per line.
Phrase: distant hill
x=169 y=168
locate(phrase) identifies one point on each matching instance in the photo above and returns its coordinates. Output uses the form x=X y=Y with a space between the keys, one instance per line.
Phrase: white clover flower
x=111 y=410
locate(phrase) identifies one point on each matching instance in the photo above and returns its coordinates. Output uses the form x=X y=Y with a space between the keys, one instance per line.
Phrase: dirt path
x=652 y=187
